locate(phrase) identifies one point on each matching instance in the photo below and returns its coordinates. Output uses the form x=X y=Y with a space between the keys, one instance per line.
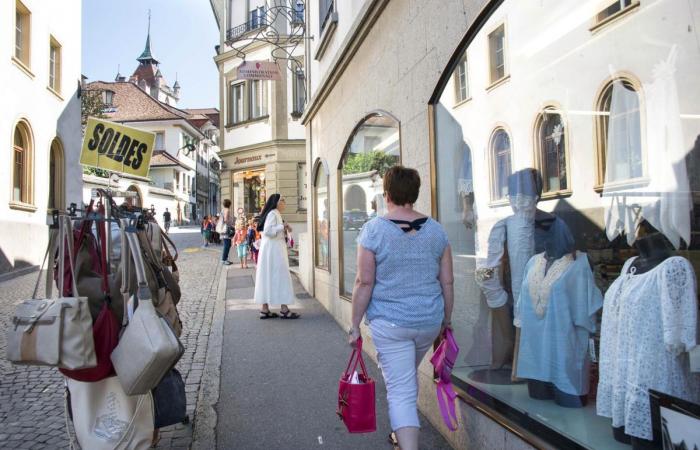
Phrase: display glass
x=372 y=149
x=322 y=222
x=568 y=184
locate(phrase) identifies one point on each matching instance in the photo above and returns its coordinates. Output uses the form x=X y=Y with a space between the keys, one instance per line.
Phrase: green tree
x=91 y=105
x=369 y=161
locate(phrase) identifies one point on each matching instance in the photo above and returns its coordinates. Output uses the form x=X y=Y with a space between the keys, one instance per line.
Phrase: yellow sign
x=117 y=148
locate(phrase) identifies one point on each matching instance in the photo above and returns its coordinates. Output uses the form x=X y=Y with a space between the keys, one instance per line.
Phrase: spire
x=147 y=57
x=177 y=84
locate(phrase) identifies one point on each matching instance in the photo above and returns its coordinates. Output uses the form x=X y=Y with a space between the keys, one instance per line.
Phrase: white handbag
x=221 y=225
x=148 y=347
x=106 y=418
x=54 y=331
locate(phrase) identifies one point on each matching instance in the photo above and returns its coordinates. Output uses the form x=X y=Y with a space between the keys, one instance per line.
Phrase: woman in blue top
x=405 y=287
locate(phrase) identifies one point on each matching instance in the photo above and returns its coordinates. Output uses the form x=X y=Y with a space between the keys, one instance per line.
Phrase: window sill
x=245 y=123
x=23 y=67
x=617 y=186
x=498 y=82
x=21 y=206
x=597 y=26
x=326 y=35
x=54 y=92
x=557 y=194
x=458 y=104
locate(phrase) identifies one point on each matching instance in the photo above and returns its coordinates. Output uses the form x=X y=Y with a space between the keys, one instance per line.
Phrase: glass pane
x=19 y=44
x=322 y=222
x=18 y=176
x=373 y=149
x=561 y=302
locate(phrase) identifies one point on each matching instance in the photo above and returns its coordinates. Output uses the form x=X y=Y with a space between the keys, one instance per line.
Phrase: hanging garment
x=557 y=310
x=273 y=284
x=649 y=324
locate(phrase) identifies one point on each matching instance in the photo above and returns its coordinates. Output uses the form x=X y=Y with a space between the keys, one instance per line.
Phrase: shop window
x=551 y=150
x=55 y=65
x=22 y=33
x=461 y=80
x=619 y=133
x=236 y=103
x=257 y=93
x=562 y=310
x=249 y=191
x=22 y=161
x=56 y=176
x=501 y=163
x=322 y=224
x=497 y=53
x=373 y=148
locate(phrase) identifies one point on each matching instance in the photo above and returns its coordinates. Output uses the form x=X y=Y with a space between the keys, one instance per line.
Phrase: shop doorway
x=249 y=191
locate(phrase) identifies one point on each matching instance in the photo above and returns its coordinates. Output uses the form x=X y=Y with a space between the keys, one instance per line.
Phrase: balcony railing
x=235 y=33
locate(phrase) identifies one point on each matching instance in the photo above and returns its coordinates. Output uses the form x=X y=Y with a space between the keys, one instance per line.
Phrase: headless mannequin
x=653 y=249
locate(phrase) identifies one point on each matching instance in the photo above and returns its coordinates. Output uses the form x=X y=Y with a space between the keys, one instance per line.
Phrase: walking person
x=166 y=220
x=240 y=240
x=405 y=287
x=225 y=224
x=273 y=283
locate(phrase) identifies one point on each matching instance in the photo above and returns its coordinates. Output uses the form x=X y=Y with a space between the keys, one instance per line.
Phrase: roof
x=203 y=114
x=146 y=55
x=162 y=158
x=131 y=104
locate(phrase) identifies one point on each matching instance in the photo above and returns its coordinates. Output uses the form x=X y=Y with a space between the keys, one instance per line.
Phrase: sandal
x=393 y=440
x=267 y=315
x=289 y=315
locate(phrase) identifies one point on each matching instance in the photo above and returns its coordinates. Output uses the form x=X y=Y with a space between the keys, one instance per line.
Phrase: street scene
x=350 y=224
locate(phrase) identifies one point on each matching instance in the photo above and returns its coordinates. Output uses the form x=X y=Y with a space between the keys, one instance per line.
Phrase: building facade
x=39 y=122
x=577 y=120
x=262 y=138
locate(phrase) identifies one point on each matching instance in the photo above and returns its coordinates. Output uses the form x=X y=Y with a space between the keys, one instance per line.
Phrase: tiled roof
x=204 y=114
x=162 y=158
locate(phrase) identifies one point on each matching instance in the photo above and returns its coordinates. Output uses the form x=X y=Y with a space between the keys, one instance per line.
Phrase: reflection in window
x=21 y=170
x=620 y=136
x=56 y=175
x=497 y=48
x=322 y=222
x=461 y=80
x=614 y=8
x=373 y=148
x=500 y=154
x=551 y=139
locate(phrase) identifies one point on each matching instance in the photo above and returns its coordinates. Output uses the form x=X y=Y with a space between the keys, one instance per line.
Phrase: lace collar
x=540 y=283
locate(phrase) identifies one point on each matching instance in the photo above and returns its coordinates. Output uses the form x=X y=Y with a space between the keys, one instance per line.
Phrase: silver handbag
x=53 y=331
x=148 y=347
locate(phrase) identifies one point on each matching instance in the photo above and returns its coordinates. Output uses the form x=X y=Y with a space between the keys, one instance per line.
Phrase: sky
x=183 y=36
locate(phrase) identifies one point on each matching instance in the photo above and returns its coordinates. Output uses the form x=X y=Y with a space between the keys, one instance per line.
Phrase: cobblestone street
x=31 y=398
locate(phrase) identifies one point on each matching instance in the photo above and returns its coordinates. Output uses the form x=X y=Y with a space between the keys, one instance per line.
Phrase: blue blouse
x=407 y=291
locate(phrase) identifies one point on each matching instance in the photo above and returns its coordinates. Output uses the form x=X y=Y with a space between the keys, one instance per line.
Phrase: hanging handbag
x=170 y=400
x=356 y=401
x=106 y=418
x=148 y=347
x=53 y=331
x=443 y=361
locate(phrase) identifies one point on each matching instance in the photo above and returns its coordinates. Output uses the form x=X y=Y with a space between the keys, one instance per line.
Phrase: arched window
x=134 y=201
x=619 y=135
x=373 y=148
x=322 y=213
x=500 y=163
x=56 y=176
x=22 y=160
x=551 y=141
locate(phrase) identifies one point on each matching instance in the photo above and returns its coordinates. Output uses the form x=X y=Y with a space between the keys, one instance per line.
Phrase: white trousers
x=400 y=352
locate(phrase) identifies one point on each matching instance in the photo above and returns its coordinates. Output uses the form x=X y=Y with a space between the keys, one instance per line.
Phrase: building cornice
x=263 y=145
x=361 y=27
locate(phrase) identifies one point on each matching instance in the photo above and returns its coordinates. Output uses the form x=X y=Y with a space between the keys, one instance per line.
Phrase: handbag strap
x=125 y=268
x=65 y=232
x=164 y=237
x=446 y=400
x=50 y=249
x=356 y=356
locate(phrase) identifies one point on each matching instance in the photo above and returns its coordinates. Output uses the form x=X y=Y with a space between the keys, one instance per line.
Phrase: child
x=251 y=237
x=206 y=231
x=241 y=243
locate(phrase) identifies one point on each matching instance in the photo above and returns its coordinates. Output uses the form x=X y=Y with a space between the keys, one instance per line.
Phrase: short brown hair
x=227 y=203
x=402 y=185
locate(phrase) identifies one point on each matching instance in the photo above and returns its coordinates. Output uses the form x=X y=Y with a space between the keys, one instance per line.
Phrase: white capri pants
x=400 y=352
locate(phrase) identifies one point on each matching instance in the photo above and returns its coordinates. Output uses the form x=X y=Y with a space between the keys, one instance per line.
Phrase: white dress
x=649 y=324
x=273 y=283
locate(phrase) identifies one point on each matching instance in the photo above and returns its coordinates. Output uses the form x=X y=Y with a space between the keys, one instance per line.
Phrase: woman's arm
x=447 y=282
x=361 y=294
x=272 y=227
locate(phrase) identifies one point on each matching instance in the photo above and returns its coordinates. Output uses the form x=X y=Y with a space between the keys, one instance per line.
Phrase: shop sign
x=117 y=148
x=258 y=70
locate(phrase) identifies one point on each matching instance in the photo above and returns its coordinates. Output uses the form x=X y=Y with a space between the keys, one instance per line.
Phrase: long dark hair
x=270 y=204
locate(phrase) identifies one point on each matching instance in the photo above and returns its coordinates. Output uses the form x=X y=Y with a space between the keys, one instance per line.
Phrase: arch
x=355 y=198
x=57 y=175
x=22 y=178
x=501 y=162
x=321 y=214
x=137 y=201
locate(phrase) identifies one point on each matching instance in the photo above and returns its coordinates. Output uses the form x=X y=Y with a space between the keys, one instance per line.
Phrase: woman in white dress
x=273 y=283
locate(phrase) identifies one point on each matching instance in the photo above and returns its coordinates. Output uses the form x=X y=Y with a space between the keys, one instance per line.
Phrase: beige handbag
x=53 y=331
x=148 y=347
x=106 y=418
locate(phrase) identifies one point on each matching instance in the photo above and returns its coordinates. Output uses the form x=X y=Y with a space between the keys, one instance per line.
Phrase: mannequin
x=511 y=243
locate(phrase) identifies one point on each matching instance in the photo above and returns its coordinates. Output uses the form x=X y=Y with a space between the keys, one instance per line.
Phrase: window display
x=322 y=222
x=570 y=197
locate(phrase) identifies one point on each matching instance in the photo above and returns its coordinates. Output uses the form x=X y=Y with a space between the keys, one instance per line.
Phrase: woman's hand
x=446 y=324
x=354 y=337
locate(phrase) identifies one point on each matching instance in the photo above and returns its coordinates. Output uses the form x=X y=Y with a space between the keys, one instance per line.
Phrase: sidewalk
x=279 y=379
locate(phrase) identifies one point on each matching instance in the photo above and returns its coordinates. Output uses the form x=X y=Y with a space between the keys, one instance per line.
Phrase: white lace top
x=649 y=324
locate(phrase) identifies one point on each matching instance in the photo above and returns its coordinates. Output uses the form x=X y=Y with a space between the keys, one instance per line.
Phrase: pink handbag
x=356 y=401
x=443 y=361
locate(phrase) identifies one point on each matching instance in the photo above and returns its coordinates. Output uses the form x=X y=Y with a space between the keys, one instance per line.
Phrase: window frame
x=601 y=127
x=496 y=200
x=538 y=146
x=493 y=82
x=326 y=8
x=462 y=65
x=55 y=65
x=262 y=97
x=298 y=88
x=339 y=191
x=23 y=54
x=233 y=86
x=599 y=22
x=26 y=193
x=57 y=187
x=321 y=168
x=155 y=142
